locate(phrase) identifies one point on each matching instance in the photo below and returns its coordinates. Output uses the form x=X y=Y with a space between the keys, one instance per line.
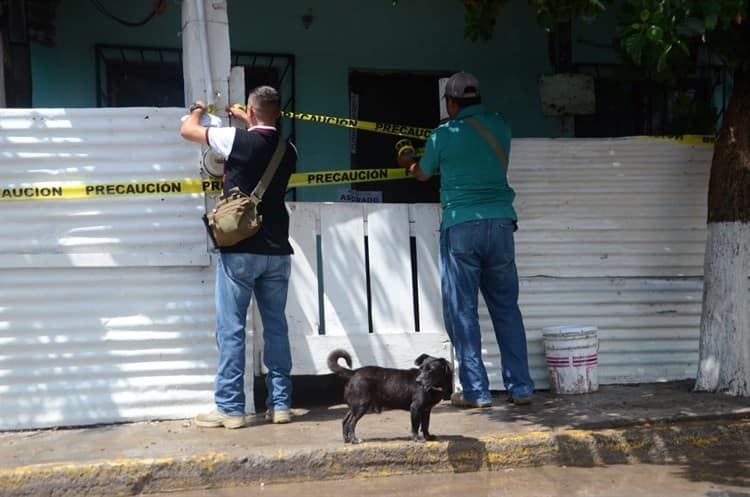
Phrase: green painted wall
x=65 y=76
x=417 y=35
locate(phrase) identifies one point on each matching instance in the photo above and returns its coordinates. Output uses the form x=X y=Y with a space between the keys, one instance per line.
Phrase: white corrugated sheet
x=612 y=234
x=98 y=345
x=69 y=146
x=610 y=207
x=106 y=305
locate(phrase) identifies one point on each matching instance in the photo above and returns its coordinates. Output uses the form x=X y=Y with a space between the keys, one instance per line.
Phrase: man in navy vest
x=259 y=265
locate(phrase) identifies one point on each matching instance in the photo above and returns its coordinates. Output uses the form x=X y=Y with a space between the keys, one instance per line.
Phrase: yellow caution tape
x=407 y=131
x=52 y=191
x=404 y=146
x=349 y=122
x=377 y=127
x=70 y=191
x=686 y=139
x=320 y=178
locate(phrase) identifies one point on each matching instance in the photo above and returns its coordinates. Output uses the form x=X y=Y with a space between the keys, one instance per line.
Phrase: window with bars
x=128 y=76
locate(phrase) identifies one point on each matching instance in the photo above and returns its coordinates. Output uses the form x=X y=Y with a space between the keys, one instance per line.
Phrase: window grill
x=152 y=77
x=129 y=76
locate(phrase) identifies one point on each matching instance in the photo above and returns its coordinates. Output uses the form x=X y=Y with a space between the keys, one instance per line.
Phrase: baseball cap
x=462 y=85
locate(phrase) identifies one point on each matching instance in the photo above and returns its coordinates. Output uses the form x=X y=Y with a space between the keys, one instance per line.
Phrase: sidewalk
x=654 y=423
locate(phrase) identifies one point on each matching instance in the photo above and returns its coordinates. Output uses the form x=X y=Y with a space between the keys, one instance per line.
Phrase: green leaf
x=662 y=63
x=645 y=14
x=683 y=46
x=655 y=33
x=633 y=46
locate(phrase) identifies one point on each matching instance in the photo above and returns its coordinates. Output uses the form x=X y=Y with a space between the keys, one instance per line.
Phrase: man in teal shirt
x=477 y=250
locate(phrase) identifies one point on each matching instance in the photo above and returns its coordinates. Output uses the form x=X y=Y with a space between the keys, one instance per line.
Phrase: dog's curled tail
x=333 y=363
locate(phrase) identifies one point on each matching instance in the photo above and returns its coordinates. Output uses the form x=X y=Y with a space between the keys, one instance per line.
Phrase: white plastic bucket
x=572 y=358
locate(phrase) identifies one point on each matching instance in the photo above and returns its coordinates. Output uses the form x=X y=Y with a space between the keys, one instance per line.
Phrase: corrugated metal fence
x=612 y=234
x=106 y=304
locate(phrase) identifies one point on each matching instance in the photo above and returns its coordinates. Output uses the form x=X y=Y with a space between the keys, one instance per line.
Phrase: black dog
x=372 y=388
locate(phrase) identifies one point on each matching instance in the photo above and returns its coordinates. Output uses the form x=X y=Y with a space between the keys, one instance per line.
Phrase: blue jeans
x=480 y=255
x=239 y=276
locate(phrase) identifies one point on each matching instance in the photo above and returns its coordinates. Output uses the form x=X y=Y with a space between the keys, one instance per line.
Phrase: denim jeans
x=239 y=276
x=480 y=255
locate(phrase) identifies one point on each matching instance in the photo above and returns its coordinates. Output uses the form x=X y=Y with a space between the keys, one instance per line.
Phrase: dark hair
x=466 y=102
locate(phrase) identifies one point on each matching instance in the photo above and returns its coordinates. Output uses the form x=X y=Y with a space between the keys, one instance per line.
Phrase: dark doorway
x=395 y=98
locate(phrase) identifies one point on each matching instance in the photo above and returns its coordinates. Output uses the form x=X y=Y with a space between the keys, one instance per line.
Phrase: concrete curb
x=657 y=444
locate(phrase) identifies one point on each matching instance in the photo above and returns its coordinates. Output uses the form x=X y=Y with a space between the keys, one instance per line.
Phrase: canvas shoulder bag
x=499 y=151
x=235 y=216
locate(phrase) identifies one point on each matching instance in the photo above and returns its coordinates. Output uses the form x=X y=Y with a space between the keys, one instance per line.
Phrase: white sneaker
x=279 y=417
x=216 y=419
x=457 y=400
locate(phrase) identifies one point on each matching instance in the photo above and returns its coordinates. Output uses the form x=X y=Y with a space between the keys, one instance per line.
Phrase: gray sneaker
x=279 y=417
x=217 y=419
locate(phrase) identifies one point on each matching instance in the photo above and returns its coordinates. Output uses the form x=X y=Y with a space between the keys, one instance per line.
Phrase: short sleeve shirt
x=222 y=139
x=473 y=180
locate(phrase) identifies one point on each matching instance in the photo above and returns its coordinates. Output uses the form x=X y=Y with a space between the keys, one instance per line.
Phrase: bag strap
x=273 y=165
x=490 y=139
